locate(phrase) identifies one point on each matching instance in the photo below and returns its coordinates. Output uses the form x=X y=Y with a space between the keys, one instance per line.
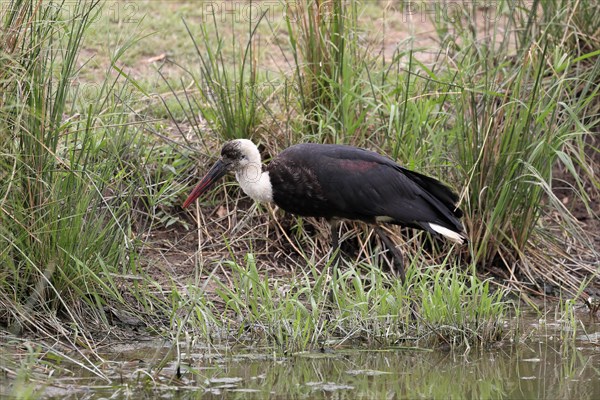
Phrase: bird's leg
x=396 y=254
x=335 y=257
x=399 y=264
x=335 y=240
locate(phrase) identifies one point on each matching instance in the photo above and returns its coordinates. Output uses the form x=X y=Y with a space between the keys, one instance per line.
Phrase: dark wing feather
x=437 y=189
x=353 y=183
x=296 y=189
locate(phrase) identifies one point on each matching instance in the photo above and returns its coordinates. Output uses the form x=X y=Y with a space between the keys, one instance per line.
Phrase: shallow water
x=540 y=366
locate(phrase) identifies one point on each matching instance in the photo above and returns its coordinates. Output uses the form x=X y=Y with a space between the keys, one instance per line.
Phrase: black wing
x=348 y=182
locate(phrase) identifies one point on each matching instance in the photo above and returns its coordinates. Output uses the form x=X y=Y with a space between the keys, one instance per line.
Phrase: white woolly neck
x=249 y=174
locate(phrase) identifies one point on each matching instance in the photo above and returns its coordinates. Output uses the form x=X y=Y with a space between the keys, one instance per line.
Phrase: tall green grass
x=329 y=69
x=65 y=209
x=226 y=82
x=517 y=118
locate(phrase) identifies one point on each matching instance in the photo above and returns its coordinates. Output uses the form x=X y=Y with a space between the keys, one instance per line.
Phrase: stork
x=338 y=182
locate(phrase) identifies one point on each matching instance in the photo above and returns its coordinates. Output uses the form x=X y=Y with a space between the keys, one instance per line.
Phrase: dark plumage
x=341 y=182
x=347 y=182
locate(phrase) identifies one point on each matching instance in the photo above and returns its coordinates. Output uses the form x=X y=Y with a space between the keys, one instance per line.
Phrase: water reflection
x=520 y=372
x=541 y=366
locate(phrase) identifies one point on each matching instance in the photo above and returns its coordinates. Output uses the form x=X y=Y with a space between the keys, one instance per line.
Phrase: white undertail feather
x=253 y=181
x=450 y=234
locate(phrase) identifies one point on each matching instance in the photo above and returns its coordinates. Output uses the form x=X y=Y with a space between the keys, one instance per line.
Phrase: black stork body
x=341 y=182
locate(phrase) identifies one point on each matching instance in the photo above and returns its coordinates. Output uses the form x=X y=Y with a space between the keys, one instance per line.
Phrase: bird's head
x=240 y=156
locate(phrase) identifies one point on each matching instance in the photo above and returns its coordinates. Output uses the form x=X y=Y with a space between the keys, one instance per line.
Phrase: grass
x=511 y=108
x=49 y=190
x=229 y=95
x=67 y=200
x=354 y=305
x=93 y=155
